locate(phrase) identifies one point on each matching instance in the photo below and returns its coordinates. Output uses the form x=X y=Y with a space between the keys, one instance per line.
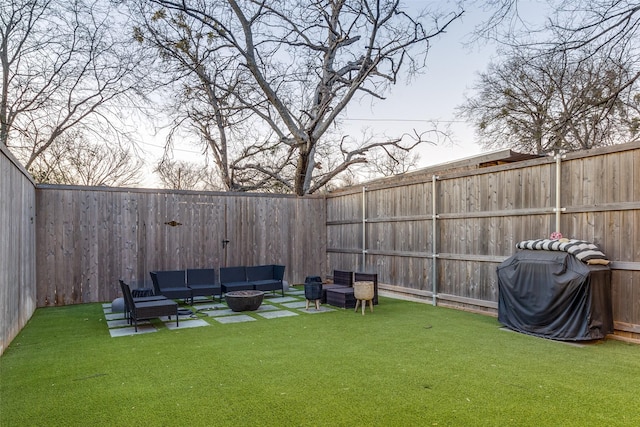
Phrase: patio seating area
x=202 y=311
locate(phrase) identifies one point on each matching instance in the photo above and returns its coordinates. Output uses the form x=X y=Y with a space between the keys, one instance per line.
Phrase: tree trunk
x=301 y=174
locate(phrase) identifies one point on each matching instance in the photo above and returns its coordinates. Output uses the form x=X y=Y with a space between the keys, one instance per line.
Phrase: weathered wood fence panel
x=17 y=246
x=481 y=214
x=88 y=238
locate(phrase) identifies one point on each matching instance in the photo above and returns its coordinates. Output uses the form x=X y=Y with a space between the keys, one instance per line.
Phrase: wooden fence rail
x=449 y=246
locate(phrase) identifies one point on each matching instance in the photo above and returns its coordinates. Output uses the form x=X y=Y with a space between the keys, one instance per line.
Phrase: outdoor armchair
x=202 y=282
x=172 y=284
x=341 y=279
x=266 y=277
x=143 y=310
x=127 y=307
x=234 y=279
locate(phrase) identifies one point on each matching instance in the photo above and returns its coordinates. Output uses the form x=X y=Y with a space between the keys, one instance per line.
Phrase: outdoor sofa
x=341 y=279
x=186 y=284
x=260 y=278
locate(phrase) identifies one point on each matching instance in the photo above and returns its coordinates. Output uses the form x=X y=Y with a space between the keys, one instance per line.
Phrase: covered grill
x=554 y=295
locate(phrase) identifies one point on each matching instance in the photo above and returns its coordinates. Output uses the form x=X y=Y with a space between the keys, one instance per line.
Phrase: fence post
x=558 y=209
x=364 y=229
x=434 y=230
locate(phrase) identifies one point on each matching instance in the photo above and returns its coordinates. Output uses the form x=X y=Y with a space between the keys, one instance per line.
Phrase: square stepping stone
x=187 y=324
x=312 y=309
x=277 y=314
x=206 y=307
x=107 y=310
x=202 y=299
x=297 y=304
x=216 y=313
x=235 y=319
x=186 y=317
x=267 y=307
x=123 y=332
x=280 y=300
x=114 y=316
x=117 y=323
x=295 y=292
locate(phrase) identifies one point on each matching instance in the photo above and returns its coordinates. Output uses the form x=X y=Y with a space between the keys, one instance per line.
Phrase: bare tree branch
x=73 y=159
x=63 y=67
x=298 y=63
x=549 y=103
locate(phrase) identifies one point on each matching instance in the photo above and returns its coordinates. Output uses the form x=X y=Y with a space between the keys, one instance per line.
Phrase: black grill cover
x=553 y=295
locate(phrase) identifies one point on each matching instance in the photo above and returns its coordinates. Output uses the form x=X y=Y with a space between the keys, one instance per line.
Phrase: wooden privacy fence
x=436 y=234
x=440 y=234
x=17 y=248
x=88 y=237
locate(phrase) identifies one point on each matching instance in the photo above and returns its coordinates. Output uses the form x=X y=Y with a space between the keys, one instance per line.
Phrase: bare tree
x=206 y=86
x=569 y=24
x=180 y=175
x=72 y=159
x=65 y=65
x=551 y=102
x=582 y=28
x=392 y=161
x=582 y=64
x=286 y=71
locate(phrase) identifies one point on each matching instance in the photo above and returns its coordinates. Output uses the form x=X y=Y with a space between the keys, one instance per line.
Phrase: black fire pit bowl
x=244 y=300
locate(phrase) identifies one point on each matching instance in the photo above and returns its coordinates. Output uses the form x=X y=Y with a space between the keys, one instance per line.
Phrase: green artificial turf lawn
x=406 y=364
